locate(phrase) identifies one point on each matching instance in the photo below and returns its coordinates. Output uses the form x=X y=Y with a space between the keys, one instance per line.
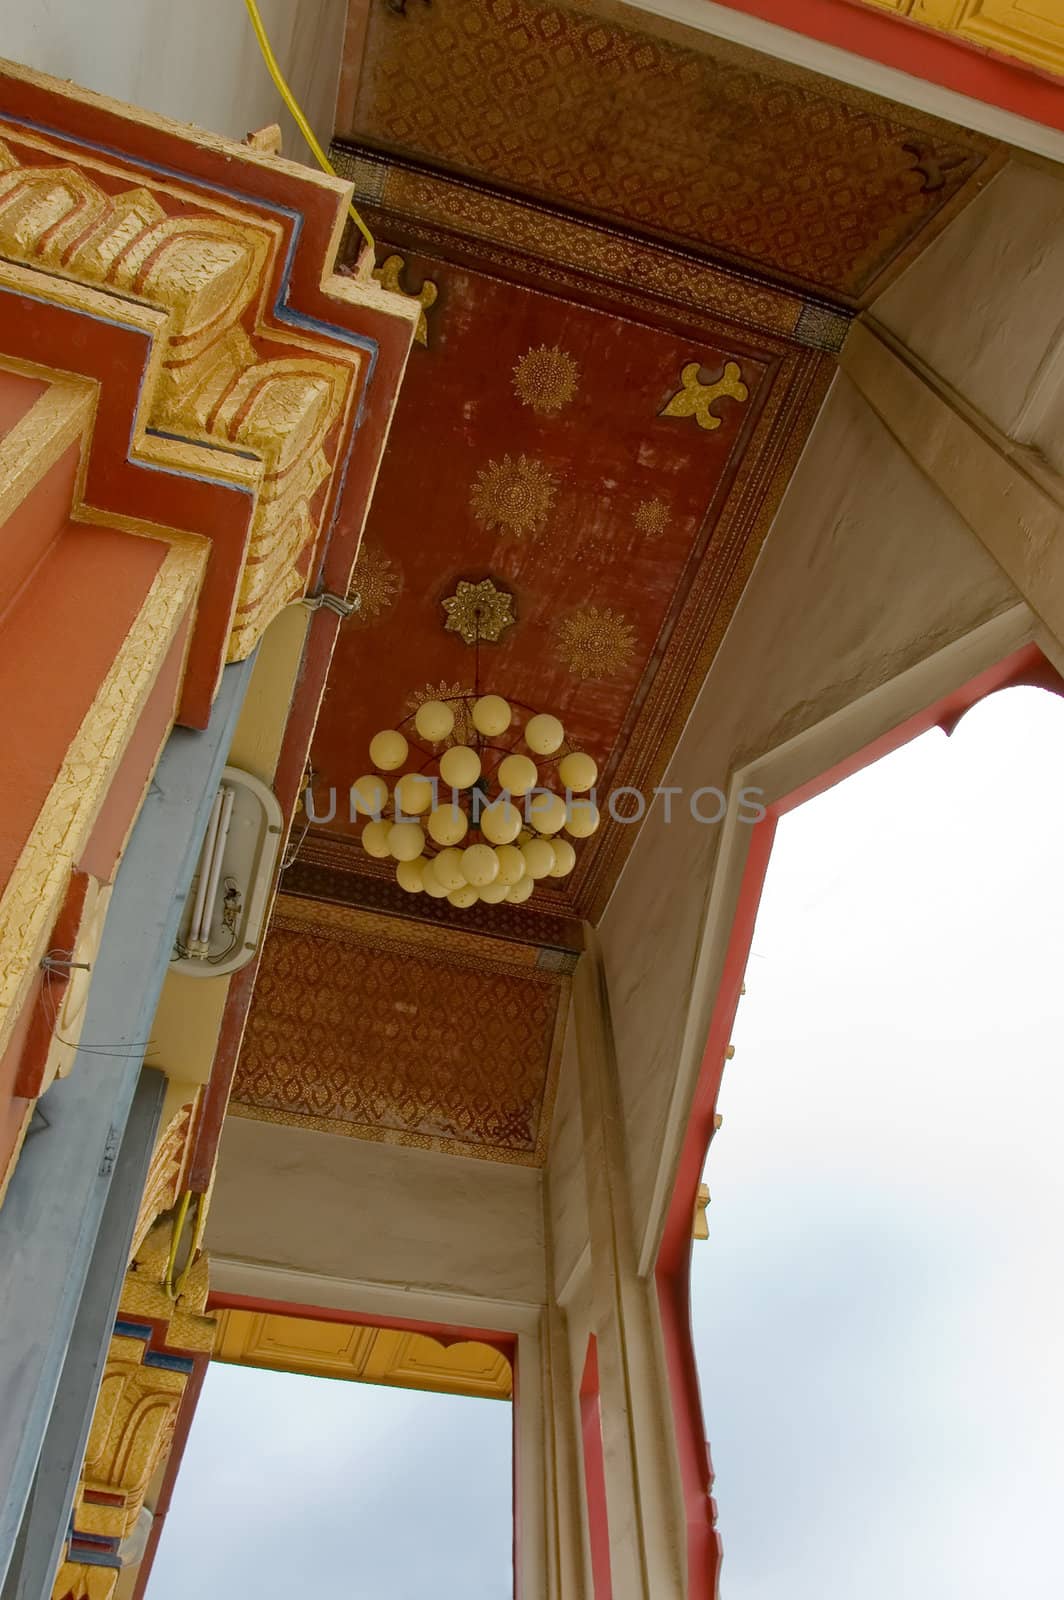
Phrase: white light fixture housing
x=223 y=923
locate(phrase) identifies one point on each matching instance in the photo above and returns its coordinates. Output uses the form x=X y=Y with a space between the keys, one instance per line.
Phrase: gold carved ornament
x=388 y=275
x=696 y=399
x=210 y=381
x=137 y=1406
x=479 y=612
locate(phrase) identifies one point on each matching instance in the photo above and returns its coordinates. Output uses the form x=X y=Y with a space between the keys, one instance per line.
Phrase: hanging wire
x=59 y=961
x=293 y=105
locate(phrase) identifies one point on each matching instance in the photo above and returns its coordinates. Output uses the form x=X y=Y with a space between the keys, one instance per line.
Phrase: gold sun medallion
x=377 y=582
x=596 y=643
x=515 y=496
x=545 y=379
x=651 y=517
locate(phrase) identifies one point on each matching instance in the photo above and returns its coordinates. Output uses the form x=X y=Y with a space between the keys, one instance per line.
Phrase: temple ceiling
x=386 y=1029
x=658 y=128
x=637 y=250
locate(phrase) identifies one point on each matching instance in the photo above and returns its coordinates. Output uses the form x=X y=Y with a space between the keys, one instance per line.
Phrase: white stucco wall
x=196 y=61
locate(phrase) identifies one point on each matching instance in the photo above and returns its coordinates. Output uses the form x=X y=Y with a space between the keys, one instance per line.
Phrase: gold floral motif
x=651 y=517
x=388 y=275
x=596 y=643
x=545 y=379
x=459 y=697
x=515 y=496
x=479 y=611
x=377 y=583
x=695 y=398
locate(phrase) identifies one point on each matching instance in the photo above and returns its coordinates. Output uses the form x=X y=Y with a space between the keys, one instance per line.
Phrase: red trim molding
x=595 y=1475
x=921 y=51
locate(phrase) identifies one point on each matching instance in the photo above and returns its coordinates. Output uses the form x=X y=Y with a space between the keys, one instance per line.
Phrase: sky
x=294 y=1486
x=878 y=1310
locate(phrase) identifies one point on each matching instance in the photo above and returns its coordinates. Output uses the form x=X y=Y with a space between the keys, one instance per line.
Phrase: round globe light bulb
x=413 y=795
x=511 y=864
x=500 y=822
x=459 y=767
x=405 y=840
x=447 y=867
x=517 y=774
x=491 y=715
x=583 y=819
x=434 y=720
x=539 y=857
x=369 y=795
x=375 y=840
x=547 y=813
x=578 y=772
x=410 y=875
x=544 y=734
x=431 y=883
x=464 y=897
x=388 y=750
x=448 y=824
x=493 y=893
x=480 y=865
x=564 y=858
x=520 y=891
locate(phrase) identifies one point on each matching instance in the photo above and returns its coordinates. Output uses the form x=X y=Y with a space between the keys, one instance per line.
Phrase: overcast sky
x=878 y=1310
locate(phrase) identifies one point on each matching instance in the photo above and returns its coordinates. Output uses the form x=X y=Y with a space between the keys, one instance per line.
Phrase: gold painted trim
x=33 y=895
x=360 y=1353
x=57 y=419
x=1010 y=27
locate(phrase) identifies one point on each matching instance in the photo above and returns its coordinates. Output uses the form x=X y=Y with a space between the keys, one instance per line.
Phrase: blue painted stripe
x=168 y=1363
x=134 y=1330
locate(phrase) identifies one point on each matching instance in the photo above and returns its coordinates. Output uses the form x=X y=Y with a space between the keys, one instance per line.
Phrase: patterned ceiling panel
x=394 y=1031
x=665 y=130
x=615 y=478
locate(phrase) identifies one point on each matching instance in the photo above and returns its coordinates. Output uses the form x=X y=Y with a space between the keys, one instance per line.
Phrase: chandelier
x=476 y=796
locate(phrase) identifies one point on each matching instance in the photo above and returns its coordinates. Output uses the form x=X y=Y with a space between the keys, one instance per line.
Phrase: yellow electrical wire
x=175 y=1242
x=293 y=105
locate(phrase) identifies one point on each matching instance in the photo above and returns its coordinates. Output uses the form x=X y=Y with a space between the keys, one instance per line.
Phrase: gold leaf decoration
x=651 y=517
x=596 y=643
x=545 y=379
x=695 y=398
x=377 y=582
x=515 y=496
x=479 y=611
